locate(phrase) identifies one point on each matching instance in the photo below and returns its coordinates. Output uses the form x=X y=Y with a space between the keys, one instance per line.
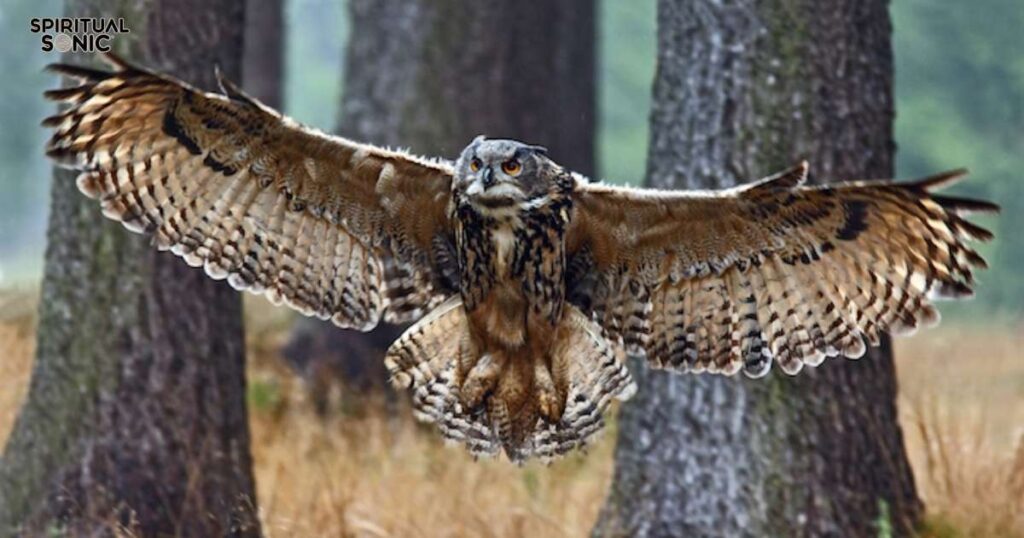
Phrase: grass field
x=377 y=474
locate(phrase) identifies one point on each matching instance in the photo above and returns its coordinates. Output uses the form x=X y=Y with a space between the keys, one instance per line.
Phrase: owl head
x=503 y=173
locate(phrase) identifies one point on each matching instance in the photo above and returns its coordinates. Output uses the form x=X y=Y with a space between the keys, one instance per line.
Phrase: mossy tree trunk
x=136 y=414
x=744 y=89
x=429 y=75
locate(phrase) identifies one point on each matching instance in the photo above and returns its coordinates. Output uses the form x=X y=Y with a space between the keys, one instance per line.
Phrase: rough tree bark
x=432 y=74
x=263 y=59
x=429 y=75
x=136 y=414
x=744 y=89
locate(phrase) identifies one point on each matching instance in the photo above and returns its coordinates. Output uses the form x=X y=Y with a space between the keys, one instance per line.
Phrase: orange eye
x=511 y=168
x=474 y=165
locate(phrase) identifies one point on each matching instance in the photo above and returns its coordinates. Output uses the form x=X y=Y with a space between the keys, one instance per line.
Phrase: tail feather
x=433 y=358
x=599 y=375
x=426 y=359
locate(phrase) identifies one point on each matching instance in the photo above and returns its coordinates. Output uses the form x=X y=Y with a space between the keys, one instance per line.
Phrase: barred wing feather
x=336 y=229
x=770 y=272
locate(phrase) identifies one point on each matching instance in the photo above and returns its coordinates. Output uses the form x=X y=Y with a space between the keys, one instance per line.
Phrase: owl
x=527 y=282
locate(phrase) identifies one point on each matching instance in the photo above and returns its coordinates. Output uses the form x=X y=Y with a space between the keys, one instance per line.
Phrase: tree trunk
x=744 y=89
x=263 y=59
x=429 y=75
x=136 y=411
x=432 y=74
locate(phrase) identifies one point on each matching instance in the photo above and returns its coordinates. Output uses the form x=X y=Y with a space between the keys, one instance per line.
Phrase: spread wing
x=734 y=279
x=331 y=227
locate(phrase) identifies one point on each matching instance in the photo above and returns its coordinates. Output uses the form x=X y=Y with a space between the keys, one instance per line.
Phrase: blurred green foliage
x=24 y=171
x=317 y=32
x=263 y=395
x=959 y=89
x=626 y=50
x=960 y=102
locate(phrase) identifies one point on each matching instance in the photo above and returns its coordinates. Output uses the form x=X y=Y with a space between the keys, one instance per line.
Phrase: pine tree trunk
x=136 y=414
x=744 y=89
x=429 y=75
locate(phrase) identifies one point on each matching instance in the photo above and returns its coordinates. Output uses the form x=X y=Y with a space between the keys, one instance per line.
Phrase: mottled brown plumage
x=530 y=283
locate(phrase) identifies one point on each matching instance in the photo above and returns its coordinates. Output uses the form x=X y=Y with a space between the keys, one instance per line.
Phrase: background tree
x=743 y=90
x=430 y=76
x=136 y=412
x=263 y=58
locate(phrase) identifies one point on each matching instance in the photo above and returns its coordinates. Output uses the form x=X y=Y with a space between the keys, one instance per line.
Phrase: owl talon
x=481 y=380
x=551 y=406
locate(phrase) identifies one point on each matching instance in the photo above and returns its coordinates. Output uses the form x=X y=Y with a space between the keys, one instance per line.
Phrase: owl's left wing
x=721 y=281
x=334 y=228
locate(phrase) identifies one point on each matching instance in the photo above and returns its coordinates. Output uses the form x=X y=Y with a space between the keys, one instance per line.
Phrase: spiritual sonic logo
x=77 y=34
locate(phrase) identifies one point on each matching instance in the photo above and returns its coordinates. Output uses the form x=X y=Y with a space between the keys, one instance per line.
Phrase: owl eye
x=511 y=168
x=474 y=165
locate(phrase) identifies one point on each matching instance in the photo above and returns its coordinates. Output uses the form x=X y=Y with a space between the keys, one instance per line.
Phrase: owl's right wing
x=775 y=271
x=336 y=229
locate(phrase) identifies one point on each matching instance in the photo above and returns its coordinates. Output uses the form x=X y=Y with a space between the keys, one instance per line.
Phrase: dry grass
x=380 y=476
x=385 y=475
x=17 y=346
x=962 y=409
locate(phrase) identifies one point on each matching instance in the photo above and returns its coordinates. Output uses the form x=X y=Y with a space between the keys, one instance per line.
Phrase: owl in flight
x=528 y=282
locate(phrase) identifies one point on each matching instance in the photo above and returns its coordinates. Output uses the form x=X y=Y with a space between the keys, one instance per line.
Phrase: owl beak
x=484 y=181
x=487 y=176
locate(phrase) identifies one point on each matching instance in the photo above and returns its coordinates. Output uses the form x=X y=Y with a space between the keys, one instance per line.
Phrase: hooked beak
x=487 y=176
x=483 y=182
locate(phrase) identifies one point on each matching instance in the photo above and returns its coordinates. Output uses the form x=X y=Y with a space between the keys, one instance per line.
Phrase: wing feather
x=774 y=271
x=333 y=228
